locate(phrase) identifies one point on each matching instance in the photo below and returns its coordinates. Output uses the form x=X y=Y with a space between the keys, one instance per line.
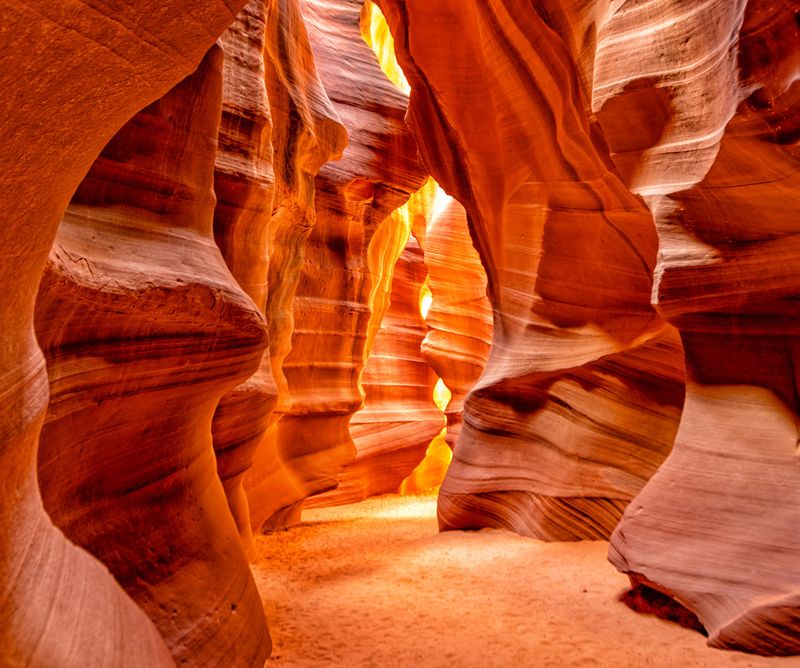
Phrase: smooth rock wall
x=306 y=133
x=349 y=252
x=144 y=329
x=460 y=315
x=557 y=436
x=89 y=70
x=399 y=419
x=243 y=183
x=716 y=528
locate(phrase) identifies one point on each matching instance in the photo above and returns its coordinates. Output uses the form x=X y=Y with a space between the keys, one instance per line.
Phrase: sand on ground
x=375 y=584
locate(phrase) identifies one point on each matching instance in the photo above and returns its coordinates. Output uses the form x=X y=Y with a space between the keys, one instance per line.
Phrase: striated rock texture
x=348 y=255
x=716 y=528
x=144 y=328
x=399 y=419
x=580 y=398
x=243 y=184
x=460 y=314
x=58 y=605
x=306 y=133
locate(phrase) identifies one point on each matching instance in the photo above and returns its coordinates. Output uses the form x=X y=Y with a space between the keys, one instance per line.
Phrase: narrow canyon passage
x=399 y=333
x=374 y=584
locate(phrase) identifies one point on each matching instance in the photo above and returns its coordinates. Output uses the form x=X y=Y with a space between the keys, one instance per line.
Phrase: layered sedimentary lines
x=459 y=314
x=584 y=424
x=126 y=464
x=569 y=253
x=236 y=316
x=722 y=182
x=243 y=184
x=391 y=433
x=306 y=133
x=59 y=605
x=350 y=249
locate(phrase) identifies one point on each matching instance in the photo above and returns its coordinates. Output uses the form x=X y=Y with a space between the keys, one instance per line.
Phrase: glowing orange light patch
x=375 y=32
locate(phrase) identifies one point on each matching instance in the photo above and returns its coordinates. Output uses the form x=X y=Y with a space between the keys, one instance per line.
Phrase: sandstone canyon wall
x=100 y=66
x=606 y=122
x=716 y=527
x=460 y=314
x=393 y=430
x=348 y=255
x=126 y=464
x=243 y=184
x=199 y=238
x=306 y=133
x=580 y=398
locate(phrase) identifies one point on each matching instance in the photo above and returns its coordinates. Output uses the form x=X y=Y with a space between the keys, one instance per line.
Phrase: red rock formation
x=306 y=133
x=85 y=72
x=349 y=253
x=399 y=419
x=243 y=183
x=579 y=137
x=571 y=415
x=716 y=528
x=460 y=315
x=144 y=328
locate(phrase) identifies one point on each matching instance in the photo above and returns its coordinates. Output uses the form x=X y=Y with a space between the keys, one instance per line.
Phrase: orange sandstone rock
x=349 y=252
x=72 y=75
x=460 y=315
x=144 y=329
x=306 y=133
x=399 y=419
x=568 y=421
x=716 y=527
x=243 y=183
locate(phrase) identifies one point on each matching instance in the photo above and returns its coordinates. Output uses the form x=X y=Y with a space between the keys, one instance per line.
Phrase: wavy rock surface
x=144 y=329
x=567 y=423
x=306 y=133
x=348 y=255
x=716 y=527
x=59 y=606
x=399 y=419
x=460 y=314
x=243 y=184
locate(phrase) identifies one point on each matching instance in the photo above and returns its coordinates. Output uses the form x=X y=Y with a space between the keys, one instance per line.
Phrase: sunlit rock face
x=399 y=419
x=716 y=528
x=460 y=314
x=60 y=606
x=243 y=184
x=617 y=120
x=581 y=394
x=306 y=133
x=348 y=255
x=126 y=463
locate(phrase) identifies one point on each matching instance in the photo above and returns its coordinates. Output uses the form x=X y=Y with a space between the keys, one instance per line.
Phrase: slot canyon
x=438 y=333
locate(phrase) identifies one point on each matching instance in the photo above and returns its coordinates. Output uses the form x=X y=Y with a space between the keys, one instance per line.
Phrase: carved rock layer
x=500 y=118
x=126 y=463
x=460 y=315
x=399 y=419
x=716 y=527
x=60 y=606
x=243 y=184
x=349 y=253
x=306 y=133
x=628 y=175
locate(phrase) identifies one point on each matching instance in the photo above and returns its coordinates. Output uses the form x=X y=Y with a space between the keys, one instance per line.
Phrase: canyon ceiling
x=267 y=255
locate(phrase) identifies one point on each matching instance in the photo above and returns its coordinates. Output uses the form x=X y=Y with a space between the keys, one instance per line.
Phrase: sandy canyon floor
x=375 y=584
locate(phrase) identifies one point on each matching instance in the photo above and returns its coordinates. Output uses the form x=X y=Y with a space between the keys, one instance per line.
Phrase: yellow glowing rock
x=377 y=36
x=425 y=300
